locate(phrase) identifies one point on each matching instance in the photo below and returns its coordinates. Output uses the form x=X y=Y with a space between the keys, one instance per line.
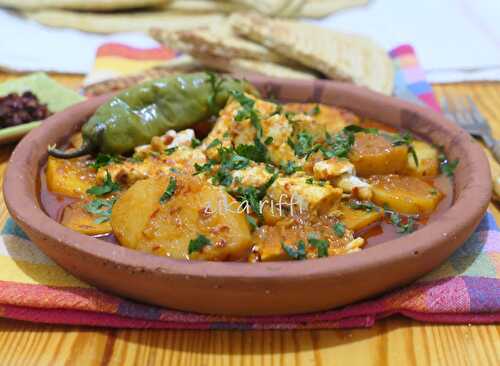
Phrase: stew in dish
x=201 y=167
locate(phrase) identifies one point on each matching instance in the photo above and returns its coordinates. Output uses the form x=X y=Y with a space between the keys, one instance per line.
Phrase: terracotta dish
x=270 y=287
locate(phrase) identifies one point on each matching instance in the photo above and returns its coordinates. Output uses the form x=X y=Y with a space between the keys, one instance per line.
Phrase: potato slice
x=374 y=154
x=77 y=218
x=356 y=220
x=428 y=162
x=196 y=208
x=69 y=177
x=409 y=195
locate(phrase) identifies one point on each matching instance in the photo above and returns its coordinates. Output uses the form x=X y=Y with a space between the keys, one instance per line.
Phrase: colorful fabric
x=410 y=82
x=464 y=289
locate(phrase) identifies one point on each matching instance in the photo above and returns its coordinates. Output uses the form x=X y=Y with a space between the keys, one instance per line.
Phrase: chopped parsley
x=356 y=128
x=101 y=208
x=447 y=167
x=290 y=167
x=339 y=229
x=268 y=141
x=170 y=150
x=169 y=191
x=406 y=139
x=298 y=253
x=214 y=143
x=314 y=111
x=339 y=145
x=304 y=145
x=254 y=195
x=360 y=205
x=270 y=168
x=104 y=159
x=222 y=178
x=203 y=167
x=196 y=245
x=108 y=186
x=195 y=142
x=229 y=160
x=247 y=111
x=320 y=183
x=321 y=245
x=256 y=152
x=403 y=226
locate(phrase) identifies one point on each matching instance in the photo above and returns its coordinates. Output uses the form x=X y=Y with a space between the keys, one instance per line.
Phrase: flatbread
x=182 y=64
x=203 y=6
x=217 y=40
x=94 y=5
x=292 y=9
x=252 y=67
x=268 y=7
x=122 y=22
x=339 y=56
x=323 y=8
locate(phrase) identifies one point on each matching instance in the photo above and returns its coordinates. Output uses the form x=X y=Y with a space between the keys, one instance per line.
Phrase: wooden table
x=396 y=341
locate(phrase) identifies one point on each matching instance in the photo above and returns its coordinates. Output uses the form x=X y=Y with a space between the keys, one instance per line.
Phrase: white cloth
x=456 y=40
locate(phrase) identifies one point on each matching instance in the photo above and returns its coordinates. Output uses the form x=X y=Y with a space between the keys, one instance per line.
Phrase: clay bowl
x=263 y=288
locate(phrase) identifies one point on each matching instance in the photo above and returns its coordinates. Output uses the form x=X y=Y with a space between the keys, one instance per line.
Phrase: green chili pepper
x=150 y=109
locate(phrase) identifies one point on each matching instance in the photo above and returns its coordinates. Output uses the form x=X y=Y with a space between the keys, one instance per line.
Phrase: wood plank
x=398 y=341
x=394 y=341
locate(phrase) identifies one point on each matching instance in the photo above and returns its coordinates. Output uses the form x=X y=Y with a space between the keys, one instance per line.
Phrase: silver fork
x=465 y=113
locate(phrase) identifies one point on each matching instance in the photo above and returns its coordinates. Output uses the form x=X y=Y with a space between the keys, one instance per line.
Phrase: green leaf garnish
x=447 y=167
x=339 y=229
x=406 y=139
x=256 y=152
x=298 y=253
x=108 y=186
x=170 y=150
x=403 y=226
x=315 y=111
x=101 y=208
x=247 y=111
x=290 y=167
x=339 y=145
x=214 y=143
x=303 y=146
x=360 y=205
x=320 y=244
x=104 y=159
x=197 y=244
x=195 y=142
x=169 y=191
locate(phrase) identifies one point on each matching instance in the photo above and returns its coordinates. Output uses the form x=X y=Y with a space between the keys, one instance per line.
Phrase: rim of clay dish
x=472 y=187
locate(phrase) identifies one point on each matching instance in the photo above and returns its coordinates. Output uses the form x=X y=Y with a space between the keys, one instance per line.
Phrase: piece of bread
x=217 y=40
x=292 y=9
x=122 y=22
x=268 y=7
x=339 y=56
x=246 y=67
x=203 y=6
x=93 y=5
x=323 y=8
